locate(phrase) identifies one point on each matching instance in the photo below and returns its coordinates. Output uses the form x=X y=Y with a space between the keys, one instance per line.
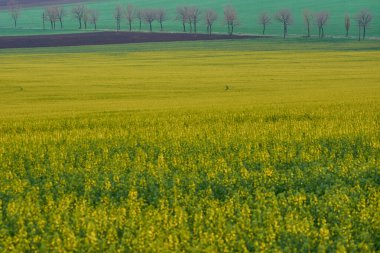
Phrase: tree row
x=190 y=17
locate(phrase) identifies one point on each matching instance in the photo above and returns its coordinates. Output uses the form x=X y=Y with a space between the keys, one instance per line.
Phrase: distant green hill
x=248 y=11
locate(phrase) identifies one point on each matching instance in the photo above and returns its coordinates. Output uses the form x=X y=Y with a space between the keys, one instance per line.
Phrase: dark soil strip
x=102 y=38
x=31 y=3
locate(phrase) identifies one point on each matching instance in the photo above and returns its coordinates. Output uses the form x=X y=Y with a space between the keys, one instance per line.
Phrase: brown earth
x=102 y=38
x=29 y=3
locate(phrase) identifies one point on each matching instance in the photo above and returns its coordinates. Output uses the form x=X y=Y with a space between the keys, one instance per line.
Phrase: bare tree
x=231 y=18
x=93 y=17
x=14 y=11
x=285 y=17
x=363 y=18
x=86 y=18
x=321 y=19
x=189 y=19
x=139 y=16
x=307 y=18
x=210 y=18
x=161 y=17
x=43 y=16
x=61 y=13
x=149 y=15
x=78 y=12
x=347 y=23
x=130 y=15
x=183 y=15
x=118 y=15
x=264 y=20
x=52 y=15
x=194 y=13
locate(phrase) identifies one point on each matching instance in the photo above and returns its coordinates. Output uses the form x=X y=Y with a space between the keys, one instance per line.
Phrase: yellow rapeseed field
x=235 y=146
x=114 y=78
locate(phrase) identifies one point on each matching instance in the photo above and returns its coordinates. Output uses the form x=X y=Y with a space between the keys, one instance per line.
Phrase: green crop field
x=248 y=12
x=142 y=148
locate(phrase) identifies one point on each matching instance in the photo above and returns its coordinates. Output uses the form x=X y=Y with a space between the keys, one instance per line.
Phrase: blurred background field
x=180 y=75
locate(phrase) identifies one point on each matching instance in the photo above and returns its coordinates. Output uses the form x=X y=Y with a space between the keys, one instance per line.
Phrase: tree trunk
x=150 y=26
x=284 y=30
x=323 y=32
x=60 y=21
x=80 y=23
x=140 y=25
x=95 y=26
x=195 y=26
x=184 y=26
x=161 y=26
x=232 y=29
x=360 y=30
x=191 y=27
x=15 y=22
x=308 y=30
x=263 y=29
x=130 y=26
x=210 y=29
x=364 y=28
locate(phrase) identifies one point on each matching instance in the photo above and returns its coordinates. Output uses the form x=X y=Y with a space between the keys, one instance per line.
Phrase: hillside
x=248 y=12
